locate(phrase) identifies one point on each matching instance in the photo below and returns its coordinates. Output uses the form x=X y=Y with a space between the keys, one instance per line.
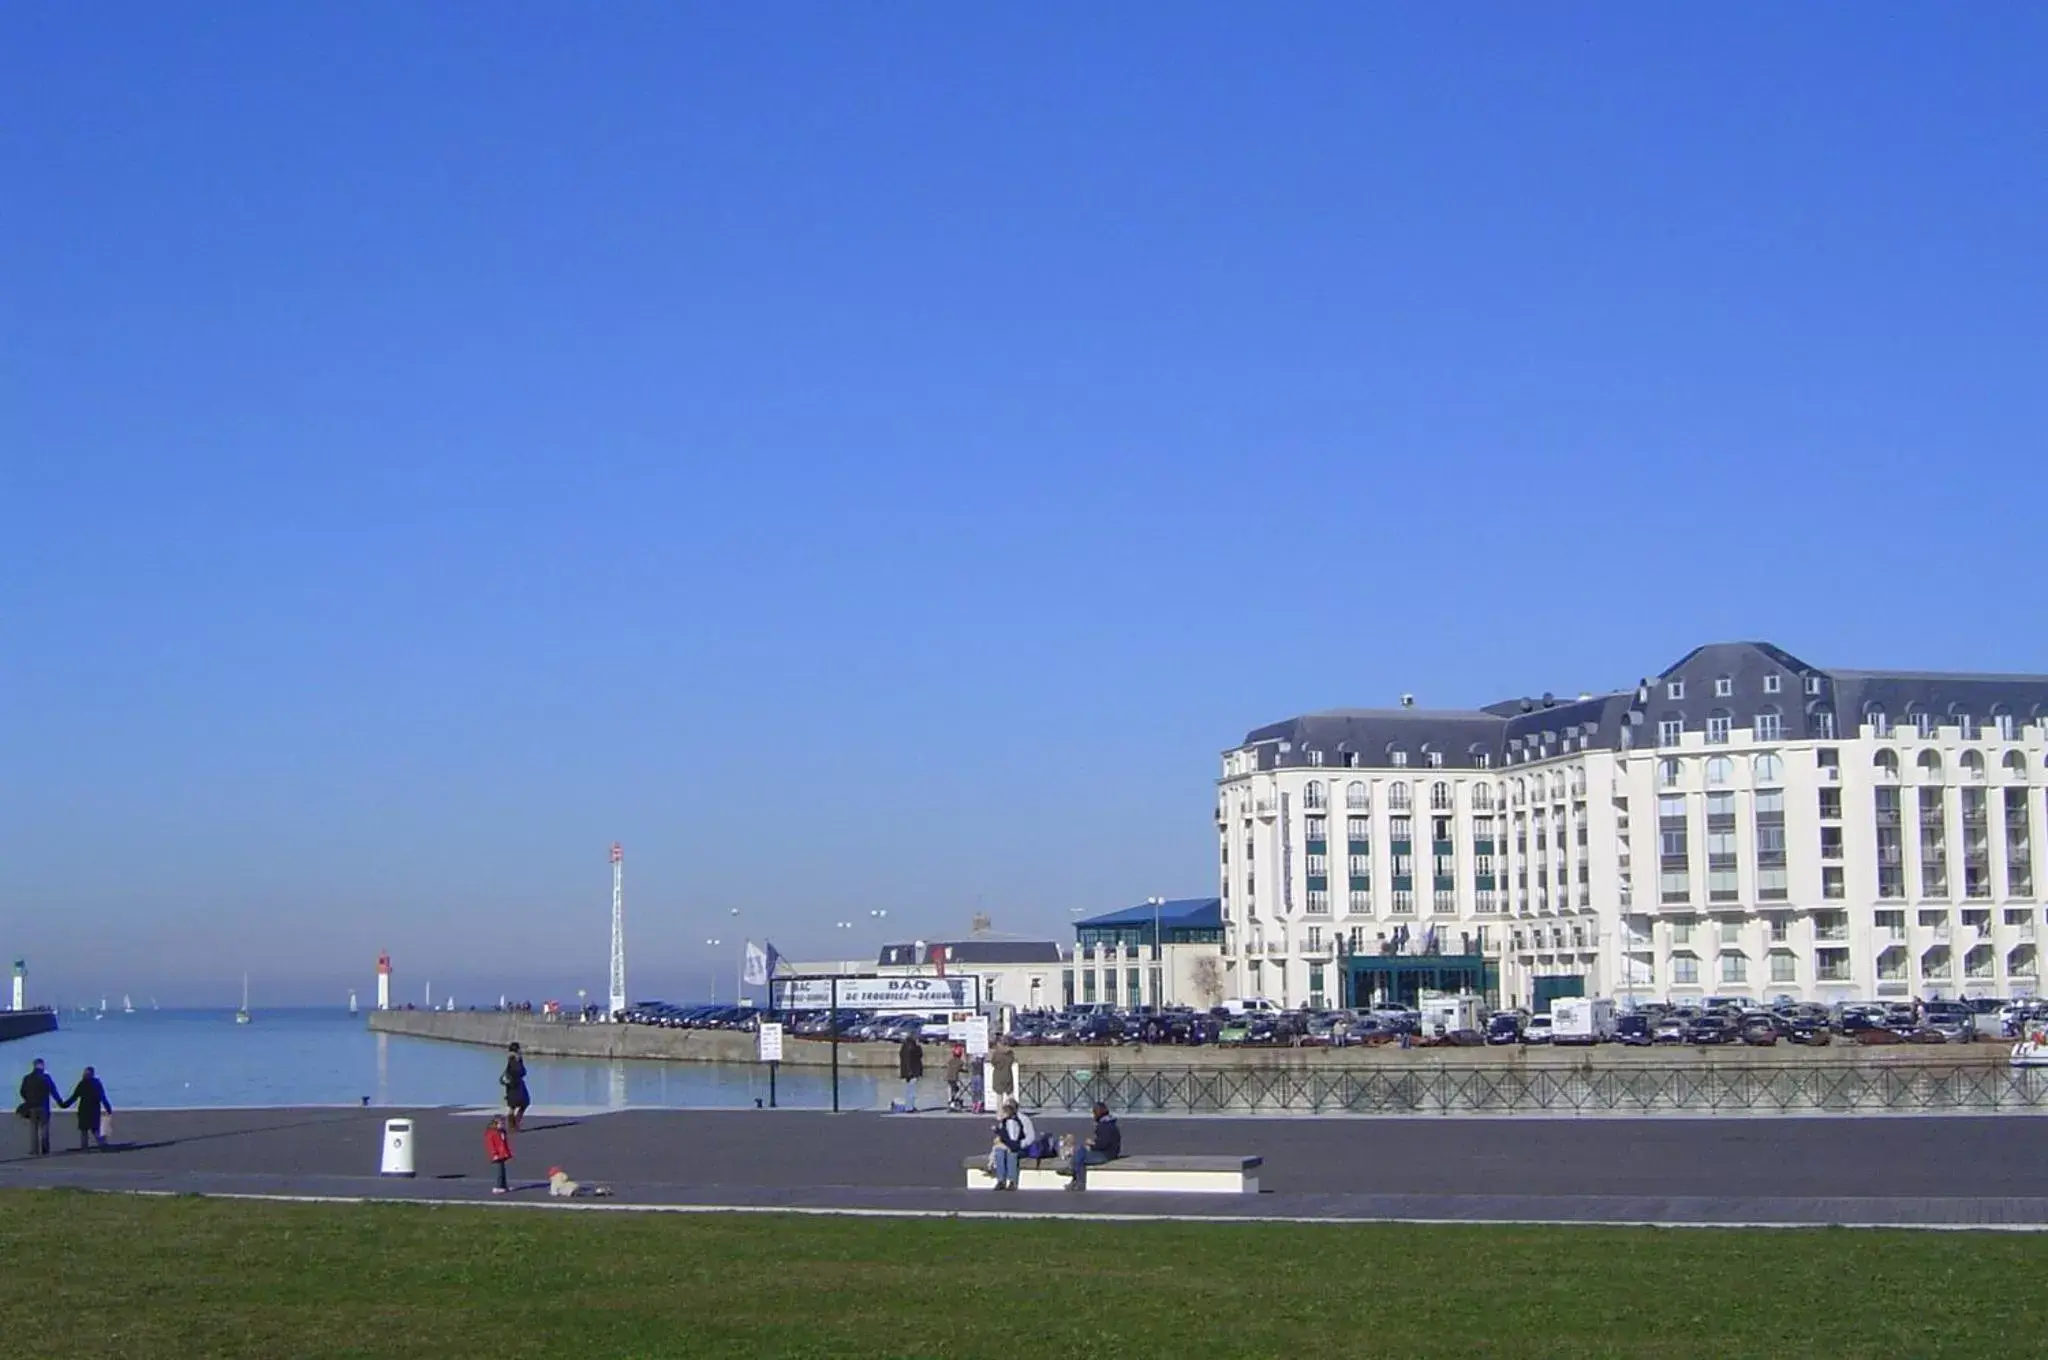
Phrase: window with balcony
x=1685 y=970
x=1875 y=718
x=1358 y=830
x=1935 y=962
x=1831 y=965
x=1891 y=963
x=1718 y=724
x=1398 y=759
x=1769 y=725
x=1681 y=932
x=1831 y=842
x=1312 y=796
x=1831 y=805
x=1783 y=966
x=1401 y=829
x=1440 y=797
x=1734 y=968
x=1360 y=902
x=1768 y=770
x=1935 y=920
x=1886 y=764
x=1404 y=902
x=1356 y=798
x=1720 y=770
x=1482 y=797
x=1318 y=902
x=1831 y=925
x=1397 y=797
x=1670 y=731
x=1433 y=759
x=1890 y=924
x=1316 y=828
x=2019 y=961
x=1824 y=723
x=2015 y=764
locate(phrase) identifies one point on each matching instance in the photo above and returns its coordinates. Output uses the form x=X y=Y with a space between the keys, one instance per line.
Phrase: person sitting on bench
x=1105 y=1144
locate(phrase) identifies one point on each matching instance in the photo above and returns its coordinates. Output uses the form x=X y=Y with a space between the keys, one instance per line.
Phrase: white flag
x=756 y=971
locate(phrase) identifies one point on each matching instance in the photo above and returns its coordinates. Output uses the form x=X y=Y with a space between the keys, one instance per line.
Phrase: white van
x=1251 y=1005
x=1581 y=1020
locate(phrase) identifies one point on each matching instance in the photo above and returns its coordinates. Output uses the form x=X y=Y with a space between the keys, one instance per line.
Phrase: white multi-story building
x=1742 y=825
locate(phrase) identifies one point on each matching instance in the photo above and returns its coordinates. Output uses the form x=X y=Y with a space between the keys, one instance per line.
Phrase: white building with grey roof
x=1743 y=824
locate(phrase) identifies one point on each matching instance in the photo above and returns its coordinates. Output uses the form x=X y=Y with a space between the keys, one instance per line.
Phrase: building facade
x=1167 y=952
x=1743 y=824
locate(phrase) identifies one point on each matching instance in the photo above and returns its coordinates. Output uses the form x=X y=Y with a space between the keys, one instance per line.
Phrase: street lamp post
x=739 y=972
x=1158 y=953
x=842 y=925
x=713 y=944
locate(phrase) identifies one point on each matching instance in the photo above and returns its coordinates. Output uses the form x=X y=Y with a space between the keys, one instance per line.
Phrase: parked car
x=1537 y=1031
x=1504 y=1027
x=1711 y=1029
x=1633 y=1029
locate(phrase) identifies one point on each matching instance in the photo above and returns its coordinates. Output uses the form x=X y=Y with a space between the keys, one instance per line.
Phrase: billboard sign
x=870 y=993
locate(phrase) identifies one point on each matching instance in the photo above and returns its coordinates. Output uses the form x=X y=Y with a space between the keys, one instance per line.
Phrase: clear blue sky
x=877 y=455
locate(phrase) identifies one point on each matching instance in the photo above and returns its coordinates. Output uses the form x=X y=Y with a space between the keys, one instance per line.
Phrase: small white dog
x=561 y=1187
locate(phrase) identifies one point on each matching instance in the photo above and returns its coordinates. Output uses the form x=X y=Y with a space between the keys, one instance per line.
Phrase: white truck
x=1581 y=1020
x=1448 y=1014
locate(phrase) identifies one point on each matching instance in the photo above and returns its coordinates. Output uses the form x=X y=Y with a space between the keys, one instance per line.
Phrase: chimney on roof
x=980 y=925
x=1407 y=701
x=1548 y=699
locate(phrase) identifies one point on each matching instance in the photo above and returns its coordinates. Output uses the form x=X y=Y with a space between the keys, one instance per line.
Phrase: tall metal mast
x=618 y=930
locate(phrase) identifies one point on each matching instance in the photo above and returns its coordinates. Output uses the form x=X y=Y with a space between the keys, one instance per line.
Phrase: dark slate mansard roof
x=1504 y=731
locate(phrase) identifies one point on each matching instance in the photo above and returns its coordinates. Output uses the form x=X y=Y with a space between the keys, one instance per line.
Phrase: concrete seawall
x=566 y=1039
x=540 y=1038
x=23 y=1024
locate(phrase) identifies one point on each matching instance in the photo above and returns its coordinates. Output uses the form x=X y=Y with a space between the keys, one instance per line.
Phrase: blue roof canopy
x=1187 y=913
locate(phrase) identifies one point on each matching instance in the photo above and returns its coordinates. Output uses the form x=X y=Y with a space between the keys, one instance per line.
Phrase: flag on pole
x=774 y=960
x=755 y=974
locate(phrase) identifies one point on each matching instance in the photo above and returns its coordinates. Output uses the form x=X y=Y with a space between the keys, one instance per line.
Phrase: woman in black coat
x=514 y=1082
x=91 y=1099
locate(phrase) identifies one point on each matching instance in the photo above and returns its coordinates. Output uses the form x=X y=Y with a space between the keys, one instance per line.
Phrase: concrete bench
x=1173 y=1175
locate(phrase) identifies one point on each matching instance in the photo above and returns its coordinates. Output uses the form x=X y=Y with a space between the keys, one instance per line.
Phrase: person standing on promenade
x=514 y=1081
x=1002 y=1071
x=90 y=1096
x=910 y=1067
x=956 y=1069
x=498 y=1147
x=38 y=1093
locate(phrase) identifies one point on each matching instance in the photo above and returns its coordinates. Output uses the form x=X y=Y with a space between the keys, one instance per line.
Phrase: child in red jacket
x=498 y=1147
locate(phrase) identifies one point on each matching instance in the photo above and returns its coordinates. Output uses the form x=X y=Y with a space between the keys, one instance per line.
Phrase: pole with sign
x=770 y=1035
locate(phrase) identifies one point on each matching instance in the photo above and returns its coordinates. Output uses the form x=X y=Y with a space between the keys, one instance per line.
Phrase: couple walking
x=39 y=1093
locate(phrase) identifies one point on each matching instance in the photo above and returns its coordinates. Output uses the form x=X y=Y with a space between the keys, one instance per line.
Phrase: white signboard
x=977 y=1037
x=771 y=1041
x=880 y=994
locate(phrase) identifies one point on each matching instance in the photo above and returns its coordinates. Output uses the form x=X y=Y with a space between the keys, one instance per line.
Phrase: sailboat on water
x=127 y=1004
x=242 y=1015
x=101 y=1013
x=351 y=1003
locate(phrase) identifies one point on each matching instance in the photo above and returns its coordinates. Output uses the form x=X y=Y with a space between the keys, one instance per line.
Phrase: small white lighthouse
x=384 y=981
x=20 y=984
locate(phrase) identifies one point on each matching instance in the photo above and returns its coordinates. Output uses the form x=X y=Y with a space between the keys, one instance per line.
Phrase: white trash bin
x=397 y=1148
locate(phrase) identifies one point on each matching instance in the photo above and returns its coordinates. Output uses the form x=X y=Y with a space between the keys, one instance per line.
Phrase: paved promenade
x=1949 y=1171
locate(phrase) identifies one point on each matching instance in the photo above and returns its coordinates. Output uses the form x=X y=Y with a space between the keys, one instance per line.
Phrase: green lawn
x=113 y=1275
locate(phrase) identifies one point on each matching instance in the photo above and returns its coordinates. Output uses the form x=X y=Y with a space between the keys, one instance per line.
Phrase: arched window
x=1922 y=720
x=2002 y=722
x=1521 y=792
x=1557 y=787
x=1397 y=797
x=1482 y=797
x=1887 y=763
x=1973 y=764
x=1930 y=763
x=2016 y=764
x=1875 y=718
x=1719 y=723
x=1312 y=796
x=1769 y=770
x=1669 y=773
x=1964 y=721
x=1719 y=771
x=1355 y=796
x=1439 y=797
x=1769 y=724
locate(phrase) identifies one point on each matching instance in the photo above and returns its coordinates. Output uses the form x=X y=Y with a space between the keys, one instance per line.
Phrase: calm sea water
x=170 y=1059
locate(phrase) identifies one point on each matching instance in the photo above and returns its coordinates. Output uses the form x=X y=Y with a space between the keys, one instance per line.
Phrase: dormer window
x=1675 y=690
x=1773 y=683
x=1724 y=686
